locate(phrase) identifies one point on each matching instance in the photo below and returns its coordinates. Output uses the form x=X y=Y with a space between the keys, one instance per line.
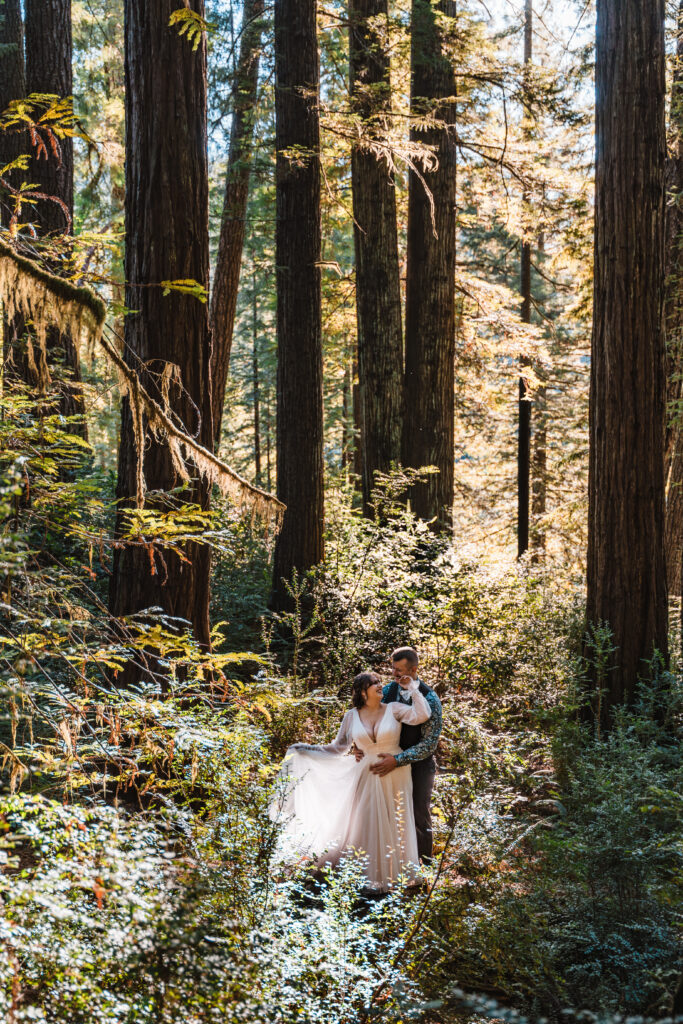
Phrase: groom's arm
x=431 y=730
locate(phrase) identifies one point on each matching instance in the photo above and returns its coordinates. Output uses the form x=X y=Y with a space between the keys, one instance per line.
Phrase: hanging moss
x=49 y=301
x=45 y=298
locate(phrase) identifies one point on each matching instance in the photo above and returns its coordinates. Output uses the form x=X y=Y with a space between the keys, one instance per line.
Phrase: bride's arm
x=340 y=745
x=414 y=714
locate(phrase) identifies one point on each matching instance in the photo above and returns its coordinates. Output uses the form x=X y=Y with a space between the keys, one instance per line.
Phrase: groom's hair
x=409 y=653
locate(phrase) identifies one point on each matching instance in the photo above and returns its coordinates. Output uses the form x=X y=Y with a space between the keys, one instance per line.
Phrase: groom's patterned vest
x=410 y=734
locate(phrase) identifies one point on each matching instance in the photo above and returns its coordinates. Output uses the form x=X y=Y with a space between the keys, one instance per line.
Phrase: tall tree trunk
x=12 y=87
x=539 y=463
x=428 y=432
x=48 y=71
x=12 y=144
x=626 y=565
x=299 y=327
x=256 y=379
x=269 y=474
x=167 y=204
x=357 y=410
x=524 y=403
x=378 y=288
x=673 y=458
x=346 y=416
x=229 y=258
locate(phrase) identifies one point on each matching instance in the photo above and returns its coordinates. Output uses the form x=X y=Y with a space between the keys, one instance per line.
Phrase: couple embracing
x=374 y=803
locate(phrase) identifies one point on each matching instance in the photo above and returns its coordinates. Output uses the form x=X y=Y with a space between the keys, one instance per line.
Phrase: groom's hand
x=357 y=752
x=385 y=765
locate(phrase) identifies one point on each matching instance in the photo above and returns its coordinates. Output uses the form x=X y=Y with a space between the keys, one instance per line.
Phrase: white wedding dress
x=333 y=806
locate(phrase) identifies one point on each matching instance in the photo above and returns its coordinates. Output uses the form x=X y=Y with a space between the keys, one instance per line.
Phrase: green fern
x=191 y=25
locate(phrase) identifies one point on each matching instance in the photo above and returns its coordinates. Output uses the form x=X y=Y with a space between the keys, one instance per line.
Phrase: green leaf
x=186 y=286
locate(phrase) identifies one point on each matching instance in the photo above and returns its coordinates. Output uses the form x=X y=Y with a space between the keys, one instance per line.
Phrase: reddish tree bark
x=524 y=403
x=626 y=566
x=167 y=239
x=299 y=327
x=48 y=71
x=12 y=87
x=378 y=288
x=673 y=456
x=231 y=242
x=429 y=418
x=12 y=145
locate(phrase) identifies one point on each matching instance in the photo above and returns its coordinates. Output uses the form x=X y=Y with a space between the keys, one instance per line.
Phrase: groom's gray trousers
x=423 y=773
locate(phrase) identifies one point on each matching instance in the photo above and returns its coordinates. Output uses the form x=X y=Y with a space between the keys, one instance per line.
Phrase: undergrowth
x=138 y=880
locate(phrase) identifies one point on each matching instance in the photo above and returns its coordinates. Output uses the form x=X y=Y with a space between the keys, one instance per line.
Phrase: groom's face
x=402 y=669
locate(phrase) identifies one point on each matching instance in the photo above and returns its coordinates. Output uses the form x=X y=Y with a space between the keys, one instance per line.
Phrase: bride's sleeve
x=344 y=740
x=338 y=746
x=414 y=714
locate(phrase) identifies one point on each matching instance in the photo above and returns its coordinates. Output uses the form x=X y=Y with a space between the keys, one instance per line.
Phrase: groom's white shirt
x=431 y=730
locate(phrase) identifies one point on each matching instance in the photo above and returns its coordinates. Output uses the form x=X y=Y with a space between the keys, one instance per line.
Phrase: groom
x=418 y=743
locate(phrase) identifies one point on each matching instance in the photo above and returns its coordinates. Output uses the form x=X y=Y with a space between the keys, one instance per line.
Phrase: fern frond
x=191 y=25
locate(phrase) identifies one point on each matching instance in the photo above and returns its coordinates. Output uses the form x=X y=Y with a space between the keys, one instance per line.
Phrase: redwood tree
x=430 y=284
x=524 y=403
x=12 y=145
x=299 y=330
x=167 y=239
x=48 y=71
x=229 y=257
x=673 y=459
x=378 y=289
x=626 y=570
x=12 y=87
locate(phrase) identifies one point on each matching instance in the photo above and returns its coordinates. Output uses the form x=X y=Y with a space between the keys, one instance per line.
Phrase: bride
x=335 y=806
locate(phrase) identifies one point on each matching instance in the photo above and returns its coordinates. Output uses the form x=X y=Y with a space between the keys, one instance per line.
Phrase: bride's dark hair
x=360 y=686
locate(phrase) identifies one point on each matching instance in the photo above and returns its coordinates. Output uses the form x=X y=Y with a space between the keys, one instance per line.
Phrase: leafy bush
x=581 y=911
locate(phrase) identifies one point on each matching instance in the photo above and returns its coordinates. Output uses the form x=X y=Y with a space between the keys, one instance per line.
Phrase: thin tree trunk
x=229 y=258
x=357 y=418
x=12 y=87
x=257 y=385
x=378 y=288
x=524 y=404
x=346 y=413
x=429 y=418
x=626 y=565
x=12 y=145
x=269 y=480
x=299 y=327
x=48 y=71
x=673 y=458
x=539 y=464
x=167 y=202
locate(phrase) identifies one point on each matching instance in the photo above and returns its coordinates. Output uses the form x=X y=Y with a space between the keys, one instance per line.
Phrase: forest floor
x=139 y=883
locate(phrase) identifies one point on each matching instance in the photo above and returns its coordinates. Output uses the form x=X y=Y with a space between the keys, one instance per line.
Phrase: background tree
x=12 y=145
x=378 y=290
x=524 y=404
x=428 y=434
x=673 y=453
x=233 y=220
x=626 y=568
x=297 y=258
x=539 y=458
x=166 y=200
x=48 y=47
x=12 y=87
